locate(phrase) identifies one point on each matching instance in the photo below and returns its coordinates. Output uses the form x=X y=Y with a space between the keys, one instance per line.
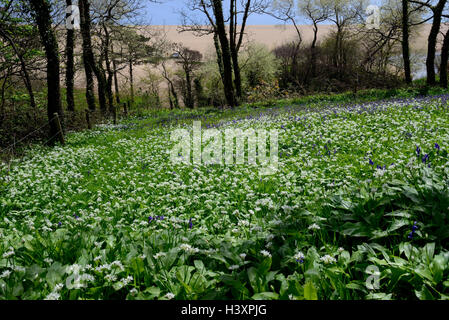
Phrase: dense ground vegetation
x=360 y=185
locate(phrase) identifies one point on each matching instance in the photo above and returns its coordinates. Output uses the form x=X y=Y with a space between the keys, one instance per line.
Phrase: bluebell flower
x=437 y=146
x=190 y=223
x=425 y=158
x=411 y=235
x=371 y=162
x=418 y=150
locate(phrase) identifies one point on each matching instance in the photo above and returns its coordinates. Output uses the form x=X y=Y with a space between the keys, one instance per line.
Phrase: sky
x=167 y=13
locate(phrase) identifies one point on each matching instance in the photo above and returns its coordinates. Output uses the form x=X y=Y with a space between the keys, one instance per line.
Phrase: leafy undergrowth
x=357 y=210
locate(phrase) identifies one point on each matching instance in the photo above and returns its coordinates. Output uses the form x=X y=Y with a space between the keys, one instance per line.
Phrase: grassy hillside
x=361 y=187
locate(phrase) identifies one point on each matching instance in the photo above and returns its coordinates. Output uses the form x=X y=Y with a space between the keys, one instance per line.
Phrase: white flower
x=127 y=280
x=299 y=256
x=159 y=254
x=5 y=274
x=327 y=259
x=111 y=277
x=234 y=267
x=314 y=227
x=59 y=287
x=242 y=255
x=169 y=296
x=265 y=253
x=188 y=248
x=9 y=253
x=340 y=250
x=53 y=296
x=243 y=223
x=379 y=173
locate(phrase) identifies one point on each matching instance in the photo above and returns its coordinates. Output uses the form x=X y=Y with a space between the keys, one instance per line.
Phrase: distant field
x=271 y=36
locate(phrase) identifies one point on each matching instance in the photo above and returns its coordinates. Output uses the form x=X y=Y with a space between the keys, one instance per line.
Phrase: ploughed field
x=358 y=209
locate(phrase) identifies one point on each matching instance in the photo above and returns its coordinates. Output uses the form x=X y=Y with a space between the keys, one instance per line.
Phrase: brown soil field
x=269 y=35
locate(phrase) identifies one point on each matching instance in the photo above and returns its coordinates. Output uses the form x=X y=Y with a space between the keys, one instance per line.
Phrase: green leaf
x=424 y=294
x=55 y=274
x=152 y=292
x=265 y=296
x=310 y=292
x=199 y=266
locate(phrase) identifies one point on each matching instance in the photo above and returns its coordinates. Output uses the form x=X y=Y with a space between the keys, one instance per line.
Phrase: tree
x=89 y=60
x=41 y=13
x=225 y=51
x=344 y=14
x=405 y=41
x=189 y=61
x=437 y=14
x=215 y=24
x=316 y=11
x=16 y=34
x=172 y=95
x=284 y=10
x=112 y=17
x=227 y=46
x=136 y=49
x=70 y=64
x=444 y=60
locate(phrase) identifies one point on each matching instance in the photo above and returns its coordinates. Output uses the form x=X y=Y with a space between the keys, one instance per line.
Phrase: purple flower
x=371 y=162
x=59 y=223
x=418 y=150
x=425 y=158
x=190 y=223
x=411 y=235
x=437 y=146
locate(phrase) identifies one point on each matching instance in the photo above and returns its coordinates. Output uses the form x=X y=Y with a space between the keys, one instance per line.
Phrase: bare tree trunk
x=405 y=42
x=432 y=41
x=90 y=96
x=108 y=70
x=42 y=16
x=131 y=80
x=233 y=48
x=114 y=66
x=190 y=103
x=88 y=57
x=226 y=56
x=219 y=56
x=313 y=50
x=444 y=60
x=70 y=65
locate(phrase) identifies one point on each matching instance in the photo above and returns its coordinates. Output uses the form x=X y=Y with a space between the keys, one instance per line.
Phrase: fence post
x=59 y=128
x=89 y=125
